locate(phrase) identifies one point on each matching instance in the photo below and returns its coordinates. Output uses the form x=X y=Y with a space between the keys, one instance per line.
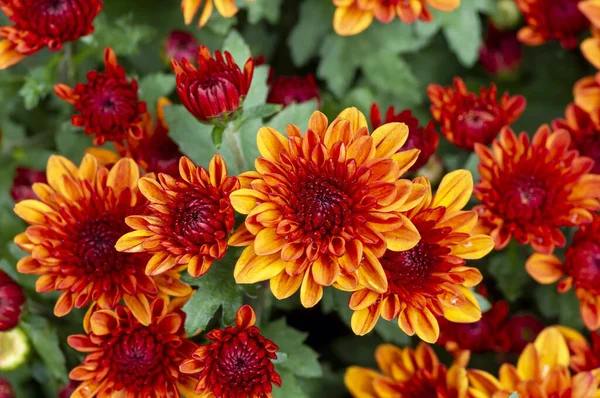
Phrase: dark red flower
x=6 y=390
x=585 y=133
x=521 y=330
x=425 y=139
x=552 y=20
x=11 y=302
x=68 y=389
x=466 y=118
x=501 y=53
x=43 y=23
x=214 y=90
x=179 y=44
x=108 y=103
x=286 y=90
x=24 y=178
x=237 y=361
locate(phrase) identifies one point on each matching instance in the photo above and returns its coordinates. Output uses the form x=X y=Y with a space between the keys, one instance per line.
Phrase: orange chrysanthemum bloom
x=579 y=269
x=226 y=8
x=128 y=359
x=75 y=224
x=430 y=279
x=189 y=222
x=353 y=16
x=586 y=93
x=409 y=373
x=585 y=356
x=531 y=188
x=43 y=24
x=237 y=363
x=321 y=202
x=467 y=118
x=542 y=371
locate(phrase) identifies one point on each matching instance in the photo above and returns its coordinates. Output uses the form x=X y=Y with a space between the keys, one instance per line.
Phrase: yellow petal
x=271 y=143
x=474 y=248
x=454 y=191
x=387 y=356
x=552 y=349
x=244 y=200
x=363 y=321
x=404 y=238
x=424 y=324
x=310 y=291
x=140 y=308
x=388 y=138
x=32 y=211
x=268 y=242
x=544 y=268
x=351 y=20
x=124 y=174
x=528 y=365
x=251 y=268
x=59 y=166
x=226 y=8
x=131 y=242
x=359 y=382
x=354 y=116
x=283 y=285
x=189 y=8
x=444 y=5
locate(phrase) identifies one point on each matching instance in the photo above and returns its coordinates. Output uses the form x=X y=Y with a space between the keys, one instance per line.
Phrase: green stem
x=232 y=140
x=262 y=304
x=66 y=70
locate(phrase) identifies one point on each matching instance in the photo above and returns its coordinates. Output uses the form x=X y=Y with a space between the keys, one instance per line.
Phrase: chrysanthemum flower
x=353 y=16
x=68 y=389
x=429 y=280
x=24 y=178
x=425 y=139
x=286 y=90
x=531 y=188
x=177 y=45
x=6 y=390
x=226 y=8
x=321 y=202
x=579 y=269
x=237 y=363
x=466 y=118
x=552 y=20
x=42 y=25
x=75 y=224
x=585 y=133
x=11 y=302
x=585 y=356
x=409 y=373
x=214 y=90
x=189 y=222
x=586 y=93
x=501 y=53
x=542 y=371
x=127 y=358
x=108 y=103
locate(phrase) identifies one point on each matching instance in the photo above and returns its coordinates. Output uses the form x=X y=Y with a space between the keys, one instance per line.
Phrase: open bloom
x=226 y=8
x=108 y=103
x=22 y=182
x=127 y=358
x=353 y=16
x=189 y=222
x=579 y=269
x=542 y=371
x=467 y=118
x=430 y=279
x=531 y=188
x=286 y=90
x=585 y=133
x=11 y=302
x=36 y=26
x=552 y=20
x=425 y=139
x=409 y=373
x=236 y=363
x=321 y=202
x=501 y=53
x=214 y=90
x=73 y=229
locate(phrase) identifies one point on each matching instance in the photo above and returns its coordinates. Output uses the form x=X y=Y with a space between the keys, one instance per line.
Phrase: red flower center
x=96 y=244
x=421 y=385
x=583 y=259
x=479 y=125
x=590 y=147
x=196 y=218
x=525 y=197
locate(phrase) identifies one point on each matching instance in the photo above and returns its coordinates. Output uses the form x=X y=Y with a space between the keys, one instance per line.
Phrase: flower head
x=226 y=8
x=6 y=390
x=542 y=371
x=22 y=182
x=466 y=118
x=237 y=362
x=179 y=44
x=286 y=90
x=531 y=188
x=73 y=229
x=214 y=90
x=501 y=53
x=408 y=373
x=108 y=103
x=43 y=24
x=585 y=133
x=353 y=16
x=321 y=202
x=552 y=20
x=431 y=279
x=579 y=269
x=189 y=221
x=127 y=358
x=425 y=139
x=11 y=302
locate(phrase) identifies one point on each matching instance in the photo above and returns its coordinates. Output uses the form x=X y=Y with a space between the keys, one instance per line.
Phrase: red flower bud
x=11 y=302
x=289 y=89
x=22 y=183
x=6 y=390
x=179 y=44
x=501 y=54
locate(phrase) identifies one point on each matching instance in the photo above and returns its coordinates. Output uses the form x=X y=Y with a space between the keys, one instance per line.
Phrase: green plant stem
x=232 y=140
x=262 y=303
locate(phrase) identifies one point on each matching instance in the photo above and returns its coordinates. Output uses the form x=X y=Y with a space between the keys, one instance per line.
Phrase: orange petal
x=271 y=143
x=363 y=321
x=454 y=191
x=160 y=262
x=528 y=365
x=245 y=317
x=444 y=5
x=268 y=242
x=359 y=382
x=474 y=248
x=124 y=174
x=251 y=268
x=424 y=324
x=371 y=274
x=544 y=268
x=32 y=211
x=152 y=190
x=131 y=242
x=354 y=116
x=226 y=8
x=140 y=308
x=403 y=238
x=104 y=322
x=283 y=285
x=310 y=291
x=351 y=20
x=8 y=55
x=552 y=348
x=244 y=200
x=325 y=271
x=388 y=138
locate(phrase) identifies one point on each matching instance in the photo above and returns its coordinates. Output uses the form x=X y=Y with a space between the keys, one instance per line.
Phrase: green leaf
x=391 y=74
x=390 y=332
x=72 y=142
x=154 y=86
x=313 y=23
x=289 y=385
x=264 y=9
x=247 y=133
x=216 y=289
x=336 y=67
x=462 y=30
x=301 y=360
x=547 y=300
x=297 y=114
x=261 y=111
x=257 y=95
x=38 y=84
x=569 y=315
x=194 y=138
x=121 y=34
x=235 y=44
x=483 y=302
x=472 y=164
x=508 y=267
x=514 y=395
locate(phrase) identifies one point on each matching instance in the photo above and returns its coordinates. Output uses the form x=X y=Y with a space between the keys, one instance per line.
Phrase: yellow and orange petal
x=226 y=8
x=188 y=219
x=530 y=188
x=431 y=279
x=73 y=228
x=319 y=203
x=127 y=358
x=409 y=373
x=542 y=371
x=354 y=16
